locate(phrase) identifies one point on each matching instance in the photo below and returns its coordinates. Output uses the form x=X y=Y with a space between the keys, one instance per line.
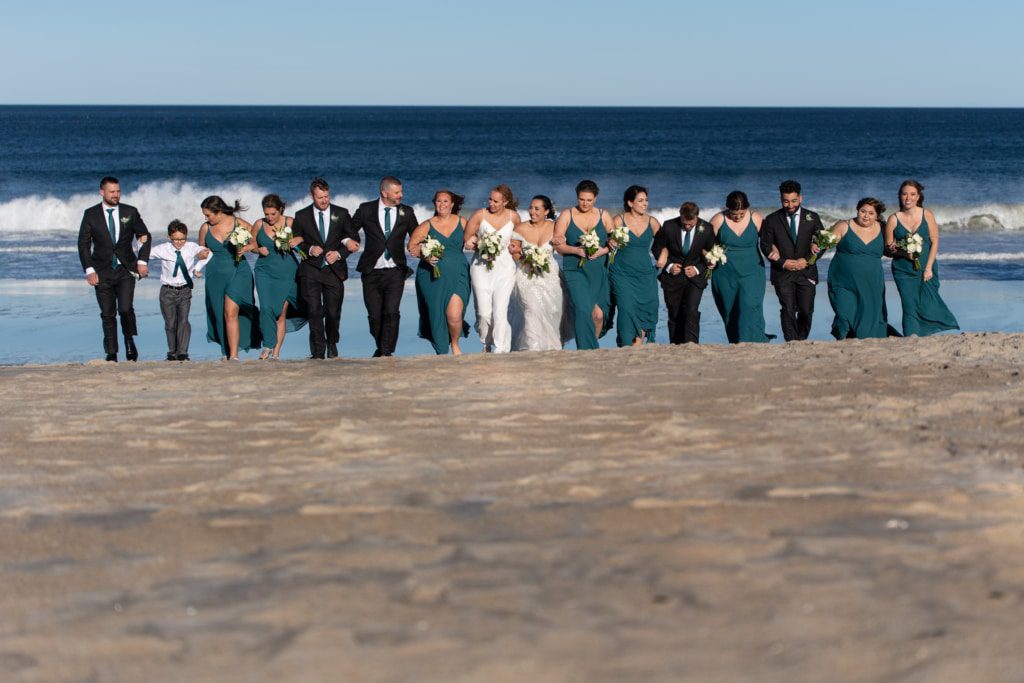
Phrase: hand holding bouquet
x=825 y=240
x=489 y=247
x=714 y=256
x=239 y=237
x=620 y=234
x=912 y=245
x=537 y=260
x=431 y=248
x=590 y=242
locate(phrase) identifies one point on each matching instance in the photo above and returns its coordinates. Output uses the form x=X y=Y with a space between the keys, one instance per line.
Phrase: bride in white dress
x=541 y=320
x=492 y=286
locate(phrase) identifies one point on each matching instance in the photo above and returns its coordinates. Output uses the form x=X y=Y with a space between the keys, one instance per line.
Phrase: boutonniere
x=810 y=216
x=401 y=212
x=334 y=217
x=700 y=228
x=126 y=220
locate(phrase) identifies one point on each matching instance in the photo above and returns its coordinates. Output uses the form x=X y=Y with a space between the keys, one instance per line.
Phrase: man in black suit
x=386 y=224
x=322 y=274
x=786 y=237
x=110 y=265
x=683 y=279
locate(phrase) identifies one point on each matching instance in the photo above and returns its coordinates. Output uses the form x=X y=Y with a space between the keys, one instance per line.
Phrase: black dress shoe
x=182 y=356
x=112 y=357
x=332 y=350
x=378 y=353
x=317 y=356
x=172 y=356
x=130 y=352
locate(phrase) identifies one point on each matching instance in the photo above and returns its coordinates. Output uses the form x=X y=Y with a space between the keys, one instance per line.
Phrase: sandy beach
x=804 y=512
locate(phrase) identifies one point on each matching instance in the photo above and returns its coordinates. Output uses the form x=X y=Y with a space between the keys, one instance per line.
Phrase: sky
x=530 y=53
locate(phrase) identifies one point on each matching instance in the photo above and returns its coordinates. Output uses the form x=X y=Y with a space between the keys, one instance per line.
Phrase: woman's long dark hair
x=217 y=205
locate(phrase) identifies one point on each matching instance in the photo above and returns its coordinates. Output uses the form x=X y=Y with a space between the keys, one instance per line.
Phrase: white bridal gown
x=541 y=318
x=492 y=290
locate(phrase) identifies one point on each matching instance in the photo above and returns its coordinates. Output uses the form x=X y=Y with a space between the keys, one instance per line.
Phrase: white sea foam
x=162 y=201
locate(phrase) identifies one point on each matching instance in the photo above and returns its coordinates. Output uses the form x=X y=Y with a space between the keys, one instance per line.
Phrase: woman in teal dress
x=443 y=299
x=634 y=280
x=856 y=286
x=924 y=311
x=738 y=284
x=275 y=279
x=587 y=284
x=232 y=319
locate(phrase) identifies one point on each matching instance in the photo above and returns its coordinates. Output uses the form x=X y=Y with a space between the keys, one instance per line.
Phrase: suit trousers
x=175 y=304
x=796 y=298
x=682 y=300
x=322 y=293
x=116 y=296
x=382 y=294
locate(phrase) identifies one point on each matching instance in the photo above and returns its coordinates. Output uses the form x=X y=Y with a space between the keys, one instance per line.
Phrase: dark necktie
x=792 y=226
x=387 y=232
x=686 y=241
x=179 y=264
x=323 y=235
x=113 y=235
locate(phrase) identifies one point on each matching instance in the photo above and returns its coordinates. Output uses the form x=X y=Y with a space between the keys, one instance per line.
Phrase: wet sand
x=805 y=512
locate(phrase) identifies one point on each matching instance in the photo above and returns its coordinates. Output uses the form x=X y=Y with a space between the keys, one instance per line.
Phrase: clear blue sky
x=552 y=52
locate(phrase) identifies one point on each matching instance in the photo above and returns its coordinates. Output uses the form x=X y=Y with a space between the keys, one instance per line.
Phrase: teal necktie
x=323 y=235
x=113 y=235
x=387 y=231
x=179 y=264
x=792 y=226
x=686 y=241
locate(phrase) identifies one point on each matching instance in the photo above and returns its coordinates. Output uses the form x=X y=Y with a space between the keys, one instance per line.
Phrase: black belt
x=176 y=286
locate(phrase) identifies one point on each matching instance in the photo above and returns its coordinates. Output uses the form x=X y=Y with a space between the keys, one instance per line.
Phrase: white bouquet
x=825 y=239
x=283 y=238
x=489 y=247
x=591 y=242
x=912 y=245
x=537 y=260
x=620 y=233
x=239 y=237
x=429 y=248
x=714 y=256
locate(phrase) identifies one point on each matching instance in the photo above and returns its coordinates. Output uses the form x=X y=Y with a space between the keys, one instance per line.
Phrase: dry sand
x=805 y=512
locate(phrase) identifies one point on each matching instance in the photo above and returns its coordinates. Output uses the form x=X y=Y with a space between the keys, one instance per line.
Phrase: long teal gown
x=225 y=277
x=434 y=295
x=856 y=288
x=738 y=285
x=587 y=286
x=634 y=284
x=276 y=284
x=924 y=311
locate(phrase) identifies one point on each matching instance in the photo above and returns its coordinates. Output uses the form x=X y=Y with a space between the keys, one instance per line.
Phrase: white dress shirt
x=165 y=254
x=384 y=262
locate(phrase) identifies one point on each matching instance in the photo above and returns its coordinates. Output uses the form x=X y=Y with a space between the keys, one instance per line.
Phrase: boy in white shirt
x=180 y=260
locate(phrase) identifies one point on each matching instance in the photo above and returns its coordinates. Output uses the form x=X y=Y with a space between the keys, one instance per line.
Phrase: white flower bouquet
x=489 y=247
x=714 y=256
x=283 y=238
x=239 y=237
x=431 y=248
x=537 y=260
x=590 y=242
x=825 y=239
x=620 y=233
x=912 y=245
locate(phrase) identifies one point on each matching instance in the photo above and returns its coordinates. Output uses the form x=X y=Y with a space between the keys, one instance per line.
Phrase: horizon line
x=511 y=106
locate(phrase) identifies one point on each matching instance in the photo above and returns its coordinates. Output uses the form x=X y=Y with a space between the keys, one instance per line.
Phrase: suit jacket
x=366 y=219
x=671 y=236
x=775 y=231
x=305 y=226
x=95 y=248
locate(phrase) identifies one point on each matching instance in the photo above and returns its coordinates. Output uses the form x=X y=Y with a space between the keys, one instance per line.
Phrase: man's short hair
x=689 y=211
x=109 y=180
x=319 y=184
x=389 y=181
x=789 y=187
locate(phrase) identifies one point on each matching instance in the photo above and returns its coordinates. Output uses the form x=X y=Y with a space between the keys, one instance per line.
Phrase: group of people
x=609 y=275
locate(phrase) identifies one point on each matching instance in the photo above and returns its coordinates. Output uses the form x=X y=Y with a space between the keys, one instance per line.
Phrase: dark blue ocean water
x=168 y=158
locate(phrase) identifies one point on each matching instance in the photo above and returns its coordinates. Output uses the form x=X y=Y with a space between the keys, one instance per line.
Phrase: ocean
x=168 y=159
